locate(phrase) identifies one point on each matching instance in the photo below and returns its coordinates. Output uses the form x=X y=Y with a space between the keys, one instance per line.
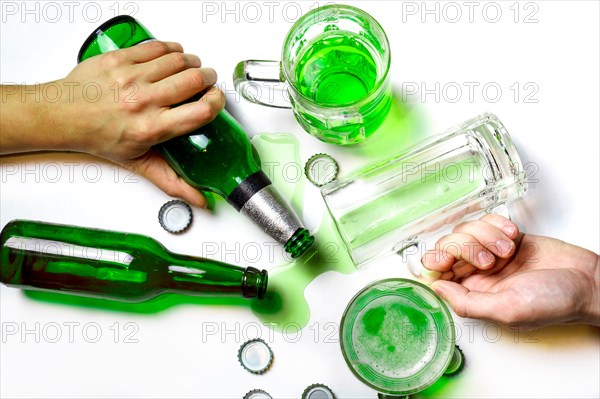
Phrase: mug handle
x=260 y=82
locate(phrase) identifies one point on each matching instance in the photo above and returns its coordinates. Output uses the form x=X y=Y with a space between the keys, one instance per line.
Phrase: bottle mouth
x=299 y=243
x=254 y=284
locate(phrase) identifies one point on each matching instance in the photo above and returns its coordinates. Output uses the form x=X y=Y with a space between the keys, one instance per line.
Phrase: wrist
x=30 y=120
x=592 y=314
x=58 y=119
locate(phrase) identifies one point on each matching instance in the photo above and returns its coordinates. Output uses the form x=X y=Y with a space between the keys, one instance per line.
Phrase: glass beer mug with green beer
x=334 y=63
x=397 y=336
x=216 y=157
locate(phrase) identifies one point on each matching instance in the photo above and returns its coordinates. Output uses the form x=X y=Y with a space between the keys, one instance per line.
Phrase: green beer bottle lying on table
x=111 y=265
x=217 y=157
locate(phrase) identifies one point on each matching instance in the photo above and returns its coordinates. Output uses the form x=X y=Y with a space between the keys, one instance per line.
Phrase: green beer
x=112 y=265
x=397 y=337
x=336 y=70
x=339 y=71
x=335 y=62
x=421 y=195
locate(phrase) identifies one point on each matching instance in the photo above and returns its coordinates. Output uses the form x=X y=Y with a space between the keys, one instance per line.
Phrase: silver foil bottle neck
x=272 y=214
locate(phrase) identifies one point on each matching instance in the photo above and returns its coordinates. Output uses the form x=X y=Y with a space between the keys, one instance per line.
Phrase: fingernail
x=210 y=76
x=447 y=276
x=197 y=60
x=509 y=230
x=438 y=290
x=428 y=258
x=485 y=258
x=505 y=247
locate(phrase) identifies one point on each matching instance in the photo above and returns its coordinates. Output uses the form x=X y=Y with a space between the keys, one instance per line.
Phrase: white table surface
x=548 y=50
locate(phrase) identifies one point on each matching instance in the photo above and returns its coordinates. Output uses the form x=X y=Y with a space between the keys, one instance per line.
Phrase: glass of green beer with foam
x=397 y=336
x=334 y=66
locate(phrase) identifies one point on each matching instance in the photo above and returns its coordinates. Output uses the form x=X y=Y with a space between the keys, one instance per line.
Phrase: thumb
x=466 y=303
x=154 y=168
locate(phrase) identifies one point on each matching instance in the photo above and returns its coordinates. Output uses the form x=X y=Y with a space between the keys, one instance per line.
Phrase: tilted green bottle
x=111 y=265
x=217 y=157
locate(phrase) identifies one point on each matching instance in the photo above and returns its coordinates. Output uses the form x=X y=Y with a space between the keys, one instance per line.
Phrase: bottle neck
x=257 y=199
x=198 y=276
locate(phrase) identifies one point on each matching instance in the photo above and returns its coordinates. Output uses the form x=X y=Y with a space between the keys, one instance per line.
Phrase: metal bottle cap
x=321 y=169
x=255 y=356
x=257 y=394
x=175 y=216
x=318 y=391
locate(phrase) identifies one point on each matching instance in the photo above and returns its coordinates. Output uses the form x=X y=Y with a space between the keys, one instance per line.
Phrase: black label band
x=242 y=193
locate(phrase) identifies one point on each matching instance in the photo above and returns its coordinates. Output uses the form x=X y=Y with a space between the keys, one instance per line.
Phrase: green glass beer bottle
x=111 y=265
x=217 y=157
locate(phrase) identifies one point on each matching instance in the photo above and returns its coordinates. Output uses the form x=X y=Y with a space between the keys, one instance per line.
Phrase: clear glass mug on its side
x=389 y=206
x=333 y=73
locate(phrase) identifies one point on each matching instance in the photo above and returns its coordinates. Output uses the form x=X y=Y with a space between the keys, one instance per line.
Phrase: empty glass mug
x=385 y=207
x=335 y=63
x=397 y=336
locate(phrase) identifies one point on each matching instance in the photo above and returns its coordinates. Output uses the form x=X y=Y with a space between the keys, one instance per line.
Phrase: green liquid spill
x=284 y=305
x=155 y=305
x=336 y=70
x=442 y=388
x=403 y=127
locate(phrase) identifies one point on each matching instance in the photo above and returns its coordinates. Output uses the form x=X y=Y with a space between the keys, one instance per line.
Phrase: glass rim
x=505 y=141
x=387 y=58
x=360 y=294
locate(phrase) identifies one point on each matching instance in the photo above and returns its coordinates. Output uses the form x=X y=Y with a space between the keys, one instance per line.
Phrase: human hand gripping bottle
x=217 y=157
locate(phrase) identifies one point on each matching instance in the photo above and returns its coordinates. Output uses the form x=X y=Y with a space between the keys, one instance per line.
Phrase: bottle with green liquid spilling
x=217 y=157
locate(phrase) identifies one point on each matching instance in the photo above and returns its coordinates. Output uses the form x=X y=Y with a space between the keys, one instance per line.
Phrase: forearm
x=27 y=119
